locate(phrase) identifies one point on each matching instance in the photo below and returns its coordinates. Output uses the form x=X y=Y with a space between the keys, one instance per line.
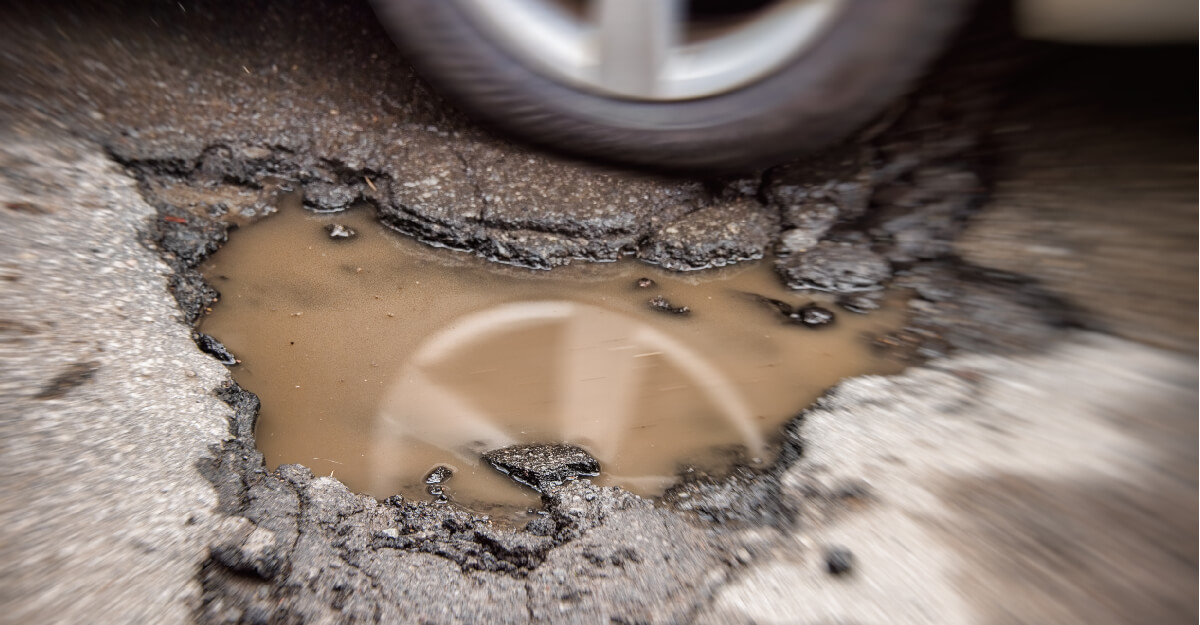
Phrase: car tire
x=863 y=60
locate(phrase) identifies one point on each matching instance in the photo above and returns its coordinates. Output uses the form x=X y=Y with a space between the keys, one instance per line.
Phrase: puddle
x=378 y=359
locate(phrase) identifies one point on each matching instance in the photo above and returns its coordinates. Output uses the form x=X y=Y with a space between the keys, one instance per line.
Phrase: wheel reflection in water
x=601 y=363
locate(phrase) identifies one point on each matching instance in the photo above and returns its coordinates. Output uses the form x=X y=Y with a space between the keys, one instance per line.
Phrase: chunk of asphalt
x=214 y=348
x=439 y=474
x=541 y=466
x=713 y=236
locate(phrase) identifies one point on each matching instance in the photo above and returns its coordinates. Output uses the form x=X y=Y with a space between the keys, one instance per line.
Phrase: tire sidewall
x=866 y=58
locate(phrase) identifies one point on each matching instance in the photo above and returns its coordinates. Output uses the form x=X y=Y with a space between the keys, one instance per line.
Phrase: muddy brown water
x=378 y=358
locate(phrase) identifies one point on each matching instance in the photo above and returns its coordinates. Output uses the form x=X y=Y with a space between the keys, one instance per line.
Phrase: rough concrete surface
x=1057 y=488
x=1027 y=469
x=103 y=513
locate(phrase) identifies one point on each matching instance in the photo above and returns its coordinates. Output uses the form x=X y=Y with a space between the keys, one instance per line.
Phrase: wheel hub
x=651 y=49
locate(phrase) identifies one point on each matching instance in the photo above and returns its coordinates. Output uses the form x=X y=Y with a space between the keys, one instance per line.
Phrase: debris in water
x=659 y=302
x=439 y=475
x=813 y=316
x=541 y=466
x=810 y=315
x=338 y=231
x=644 y=283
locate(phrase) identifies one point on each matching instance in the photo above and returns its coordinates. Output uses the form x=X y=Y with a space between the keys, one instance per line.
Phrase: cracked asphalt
x=1036 y=465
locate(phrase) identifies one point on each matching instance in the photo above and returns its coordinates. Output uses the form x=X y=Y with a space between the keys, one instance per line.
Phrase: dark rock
x=435 y=481
x=439 y=475
x=338 y=231
x=214 y=348
x=813 y=316
x=839 y=560
x=644 y=283
x=712 y=237
x=541 y=466
x=661 y=303
x=837 y=267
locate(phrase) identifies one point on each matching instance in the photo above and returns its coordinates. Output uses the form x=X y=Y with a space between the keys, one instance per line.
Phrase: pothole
x=379 y=360
x=307 y=547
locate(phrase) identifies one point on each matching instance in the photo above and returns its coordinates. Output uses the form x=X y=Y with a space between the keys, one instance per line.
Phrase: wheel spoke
x=633 y=41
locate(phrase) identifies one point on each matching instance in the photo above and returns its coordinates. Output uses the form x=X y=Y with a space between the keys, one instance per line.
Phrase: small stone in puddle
x=541 y=466
x=644 y=283
x=659 y=302
x=839 y=560
x=813 y=316
x=439 y=474
x=435 y=479
x=338 y=231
